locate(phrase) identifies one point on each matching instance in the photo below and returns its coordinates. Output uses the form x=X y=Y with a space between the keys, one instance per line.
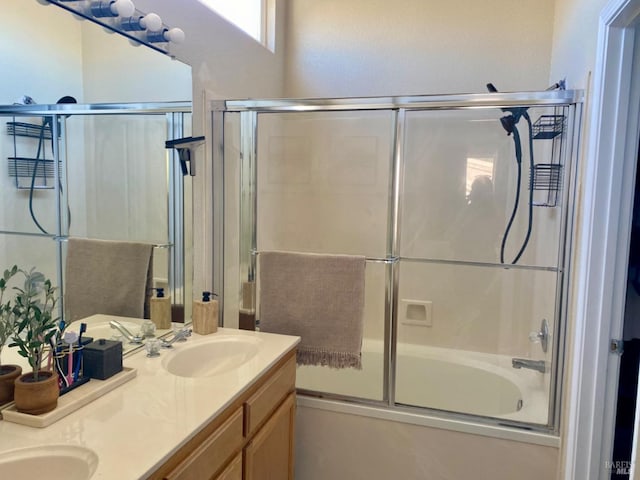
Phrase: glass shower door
x=319 y=177
x=481 y=257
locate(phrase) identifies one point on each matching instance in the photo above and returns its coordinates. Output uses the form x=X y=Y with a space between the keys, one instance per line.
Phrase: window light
x=245 y=14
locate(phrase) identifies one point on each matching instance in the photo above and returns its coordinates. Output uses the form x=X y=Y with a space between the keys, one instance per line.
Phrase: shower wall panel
x=323 y=182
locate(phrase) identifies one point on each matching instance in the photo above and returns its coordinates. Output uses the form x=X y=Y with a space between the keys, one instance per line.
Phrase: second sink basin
x=211 y=357
x=65 y=462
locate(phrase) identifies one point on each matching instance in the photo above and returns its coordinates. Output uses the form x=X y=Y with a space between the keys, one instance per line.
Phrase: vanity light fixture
x=121 y=16
x=112 y=8
x=151 y=22
x=174 y=35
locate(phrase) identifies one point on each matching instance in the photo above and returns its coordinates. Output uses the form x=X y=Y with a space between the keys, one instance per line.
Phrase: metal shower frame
x=399 y=105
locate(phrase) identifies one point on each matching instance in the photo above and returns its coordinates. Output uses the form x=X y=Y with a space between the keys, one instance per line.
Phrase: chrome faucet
x=179 y=336
x=538 y=365
x=126 y=333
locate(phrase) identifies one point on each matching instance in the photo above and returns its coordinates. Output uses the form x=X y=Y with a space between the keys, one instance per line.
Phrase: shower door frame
x=249 y=111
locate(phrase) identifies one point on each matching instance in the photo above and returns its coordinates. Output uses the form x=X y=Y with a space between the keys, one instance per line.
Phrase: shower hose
x=514 y=212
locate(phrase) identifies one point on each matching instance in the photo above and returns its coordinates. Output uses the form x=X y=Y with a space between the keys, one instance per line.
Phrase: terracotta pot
x=8 y=375
x=38 y=397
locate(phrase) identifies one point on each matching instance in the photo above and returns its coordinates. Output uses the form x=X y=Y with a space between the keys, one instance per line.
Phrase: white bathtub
x=444 y=379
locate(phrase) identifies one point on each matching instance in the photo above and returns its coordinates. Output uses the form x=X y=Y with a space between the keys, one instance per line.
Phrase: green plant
x=7 y=317
x=33 y=307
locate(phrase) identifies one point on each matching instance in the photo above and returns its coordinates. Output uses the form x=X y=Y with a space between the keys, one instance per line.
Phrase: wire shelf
x=547 y=178
x=548 y=127
x=31 y=130
x=25 y=170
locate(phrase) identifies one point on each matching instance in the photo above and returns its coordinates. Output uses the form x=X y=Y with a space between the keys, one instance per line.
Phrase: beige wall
x=367 y=47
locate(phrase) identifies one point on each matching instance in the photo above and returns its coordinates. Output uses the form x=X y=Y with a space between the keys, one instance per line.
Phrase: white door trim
x=603 y=245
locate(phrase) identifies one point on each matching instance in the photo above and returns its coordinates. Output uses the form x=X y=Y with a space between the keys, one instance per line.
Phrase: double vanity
x=219 y=406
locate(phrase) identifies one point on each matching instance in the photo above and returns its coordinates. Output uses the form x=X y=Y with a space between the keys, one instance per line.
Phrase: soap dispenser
x=161 y=310
x=205 y=315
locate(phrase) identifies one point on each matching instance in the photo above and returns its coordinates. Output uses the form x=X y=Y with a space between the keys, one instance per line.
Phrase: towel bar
x=367 y=259
x=155 y=245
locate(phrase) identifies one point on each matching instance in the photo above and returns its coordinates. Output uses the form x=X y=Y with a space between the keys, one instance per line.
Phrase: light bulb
x=175 y=35
x=112 y=8
x=151 y=22
x=123 y=8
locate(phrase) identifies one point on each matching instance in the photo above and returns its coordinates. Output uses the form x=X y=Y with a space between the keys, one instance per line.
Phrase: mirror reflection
x=115 y=181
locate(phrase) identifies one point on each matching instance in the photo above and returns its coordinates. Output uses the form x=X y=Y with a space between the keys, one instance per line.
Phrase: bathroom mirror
x=119 y=181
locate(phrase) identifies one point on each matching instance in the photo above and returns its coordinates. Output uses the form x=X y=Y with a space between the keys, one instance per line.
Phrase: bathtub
x=442 y=379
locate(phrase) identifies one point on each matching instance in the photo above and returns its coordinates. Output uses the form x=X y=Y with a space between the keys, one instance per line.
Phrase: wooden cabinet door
x=269 y=455
x=212 y=453
x=233 y=471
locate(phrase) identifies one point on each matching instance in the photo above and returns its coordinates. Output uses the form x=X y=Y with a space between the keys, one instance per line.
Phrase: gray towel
x=108 y=277
x=317 y=297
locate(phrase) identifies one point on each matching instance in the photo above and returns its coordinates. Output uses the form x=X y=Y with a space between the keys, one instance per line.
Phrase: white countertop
x=136 y=427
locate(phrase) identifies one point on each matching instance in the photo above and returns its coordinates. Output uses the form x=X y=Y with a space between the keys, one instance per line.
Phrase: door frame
x=608 y=176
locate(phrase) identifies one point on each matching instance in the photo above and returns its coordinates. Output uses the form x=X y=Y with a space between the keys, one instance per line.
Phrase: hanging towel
x=108 y=277
x=319 y=298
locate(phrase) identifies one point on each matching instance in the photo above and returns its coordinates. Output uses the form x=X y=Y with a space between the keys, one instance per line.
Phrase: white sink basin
x=211 y=357
x=53 y=462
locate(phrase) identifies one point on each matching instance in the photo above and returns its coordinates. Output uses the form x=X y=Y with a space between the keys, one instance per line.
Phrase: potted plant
x=33 y=306
x=8 y=373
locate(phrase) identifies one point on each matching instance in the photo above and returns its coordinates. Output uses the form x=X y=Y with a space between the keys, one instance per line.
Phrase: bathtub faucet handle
x=541 y=337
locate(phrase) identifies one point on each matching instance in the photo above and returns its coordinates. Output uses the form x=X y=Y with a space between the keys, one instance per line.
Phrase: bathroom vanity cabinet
x=235 y=424
x=251 y=439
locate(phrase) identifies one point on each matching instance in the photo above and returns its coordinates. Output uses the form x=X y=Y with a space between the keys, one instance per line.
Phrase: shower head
x=67 y=99
x=509 y=121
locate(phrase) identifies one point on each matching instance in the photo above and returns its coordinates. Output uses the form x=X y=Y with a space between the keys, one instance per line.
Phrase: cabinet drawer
x=213 y=453
x=267 y=398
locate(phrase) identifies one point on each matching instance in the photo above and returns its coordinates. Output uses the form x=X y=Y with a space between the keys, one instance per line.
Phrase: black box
x=102 y=359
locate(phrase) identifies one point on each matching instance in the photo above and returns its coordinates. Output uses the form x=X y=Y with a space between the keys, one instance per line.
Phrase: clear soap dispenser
x=161 y=310
x=205 y=315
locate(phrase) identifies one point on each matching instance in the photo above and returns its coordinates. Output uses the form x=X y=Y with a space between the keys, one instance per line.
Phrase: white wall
x=370 y=47
x=575 y=33
x=41 y=58
x=114 y=70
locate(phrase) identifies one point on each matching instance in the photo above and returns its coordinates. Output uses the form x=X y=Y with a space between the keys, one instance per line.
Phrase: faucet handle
x=535 y=337
x=542 y=336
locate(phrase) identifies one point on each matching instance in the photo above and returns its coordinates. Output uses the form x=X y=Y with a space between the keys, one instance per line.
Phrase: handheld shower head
x=509 y=121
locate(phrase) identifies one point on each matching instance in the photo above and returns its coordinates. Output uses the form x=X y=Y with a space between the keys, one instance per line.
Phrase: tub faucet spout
x=538 y=365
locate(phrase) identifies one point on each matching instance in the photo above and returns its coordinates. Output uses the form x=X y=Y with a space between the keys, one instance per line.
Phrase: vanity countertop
x=136 y=427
